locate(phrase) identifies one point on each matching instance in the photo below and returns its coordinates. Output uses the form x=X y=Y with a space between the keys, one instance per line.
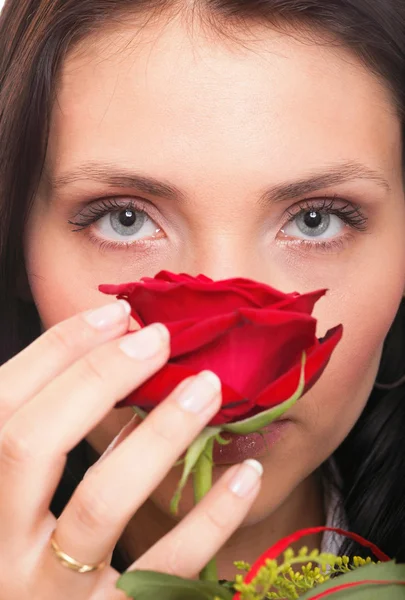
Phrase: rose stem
x=202 y=480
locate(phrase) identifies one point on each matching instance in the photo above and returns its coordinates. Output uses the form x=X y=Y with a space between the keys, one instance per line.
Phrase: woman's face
x=276 y=159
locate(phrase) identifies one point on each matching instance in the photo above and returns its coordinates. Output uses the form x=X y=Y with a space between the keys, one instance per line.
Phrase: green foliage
x=149 y=585
x=297 y=576
x=192 y=457
x=284 y=581
x=386 y=581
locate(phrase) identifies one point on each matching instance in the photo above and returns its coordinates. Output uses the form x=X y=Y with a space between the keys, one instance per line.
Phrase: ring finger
x=211 y=522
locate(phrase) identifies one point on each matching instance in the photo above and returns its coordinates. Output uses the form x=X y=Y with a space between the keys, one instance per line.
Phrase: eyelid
x=308 y=203
x=117 y=201
x=94 y=211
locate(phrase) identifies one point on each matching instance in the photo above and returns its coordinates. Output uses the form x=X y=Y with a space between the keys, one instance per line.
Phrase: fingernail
x=145 y=343
x=199 y=394
x=246 y=478
x=104 y=317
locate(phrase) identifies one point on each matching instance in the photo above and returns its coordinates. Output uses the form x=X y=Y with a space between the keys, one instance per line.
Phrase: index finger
x=23 y=376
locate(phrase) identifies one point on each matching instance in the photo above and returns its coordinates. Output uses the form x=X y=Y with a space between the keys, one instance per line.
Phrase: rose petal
x=246 y=357
x=248 y=333
x=317 y=359
x=177 y=327
x=162 y=298
x=157 y=388
x=200 y=333
x=174 y=302
x=302 y=303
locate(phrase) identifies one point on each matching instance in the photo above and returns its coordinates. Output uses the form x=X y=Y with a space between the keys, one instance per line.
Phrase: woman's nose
x=231 y=248
x=219 y=262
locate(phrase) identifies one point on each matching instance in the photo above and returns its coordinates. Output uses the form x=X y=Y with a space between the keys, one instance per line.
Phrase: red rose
x=251 y=335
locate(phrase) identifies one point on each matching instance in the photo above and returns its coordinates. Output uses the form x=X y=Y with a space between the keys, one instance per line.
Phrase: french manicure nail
x=246 y=478
x=145 y=343
x=199 y=394
x=110 y=314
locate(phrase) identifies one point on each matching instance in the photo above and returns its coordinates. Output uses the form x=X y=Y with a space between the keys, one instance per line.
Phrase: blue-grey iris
x=313 y=223
x=127 y=222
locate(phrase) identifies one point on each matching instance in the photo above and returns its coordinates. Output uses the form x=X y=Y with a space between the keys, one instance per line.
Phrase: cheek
x=366 y=310
x=61 y=280
x=364 y=294
x=366 y=305
x=64 y=271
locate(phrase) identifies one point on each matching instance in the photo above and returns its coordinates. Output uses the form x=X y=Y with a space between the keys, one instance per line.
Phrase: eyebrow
x=117 y=177
x=346 y=172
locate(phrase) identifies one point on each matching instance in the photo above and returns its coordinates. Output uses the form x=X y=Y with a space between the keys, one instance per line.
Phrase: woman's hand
x=52 y=395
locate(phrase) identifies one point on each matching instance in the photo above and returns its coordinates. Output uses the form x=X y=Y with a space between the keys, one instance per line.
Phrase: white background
x=1 y=4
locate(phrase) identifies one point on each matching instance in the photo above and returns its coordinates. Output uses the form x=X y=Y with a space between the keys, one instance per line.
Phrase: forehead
x=162 y=94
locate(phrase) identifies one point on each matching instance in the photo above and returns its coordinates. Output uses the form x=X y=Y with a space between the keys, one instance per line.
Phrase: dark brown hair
x=35 y=36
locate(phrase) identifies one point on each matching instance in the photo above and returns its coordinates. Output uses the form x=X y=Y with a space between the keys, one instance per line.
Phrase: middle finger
x=106 y=499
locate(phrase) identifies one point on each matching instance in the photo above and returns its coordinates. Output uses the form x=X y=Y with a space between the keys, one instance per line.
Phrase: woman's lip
x=253 y=445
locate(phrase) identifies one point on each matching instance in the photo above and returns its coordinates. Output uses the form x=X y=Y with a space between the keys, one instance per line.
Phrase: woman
x=224 y=137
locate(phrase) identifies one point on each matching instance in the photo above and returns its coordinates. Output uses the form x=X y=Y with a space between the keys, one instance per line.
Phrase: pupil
x=313 y=219
x=127 y=218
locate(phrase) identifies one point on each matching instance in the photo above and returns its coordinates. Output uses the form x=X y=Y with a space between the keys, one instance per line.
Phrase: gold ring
x=70 y=563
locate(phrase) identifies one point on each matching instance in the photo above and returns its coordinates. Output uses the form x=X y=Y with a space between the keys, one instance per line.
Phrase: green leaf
x=193 y=454
x=258 y=422
x=150 y=585
x=390 y=572
x=221 y=441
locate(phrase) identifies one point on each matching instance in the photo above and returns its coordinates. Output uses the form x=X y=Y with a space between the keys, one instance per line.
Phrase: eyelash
x=96 y=212
x=349 y=213
x=108 y=205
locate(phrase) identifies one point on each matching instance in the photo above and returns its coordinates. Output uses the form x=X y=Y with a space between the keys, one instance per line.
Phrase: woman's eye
x=127 y=224
x=312 y=224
